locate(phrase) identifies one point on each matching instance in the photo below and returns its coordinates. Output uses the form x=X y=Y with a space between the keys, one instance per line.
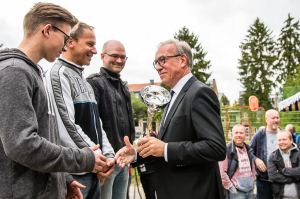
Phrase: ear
x=102 y=56
x=71 y=43
x=46 y=30
x=183 y=60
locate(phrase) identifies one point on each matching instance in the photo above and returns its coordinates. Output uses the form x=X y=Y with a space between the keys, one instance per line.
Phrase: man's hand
x=260 y=165
x=151 y=146
x=74 y=190
x=125 y=155
x=110 y=163
x=100 y=160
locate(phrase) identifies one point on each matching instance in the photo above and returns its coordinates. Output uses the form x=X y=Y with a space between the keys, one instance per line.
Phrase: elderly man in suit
x=190 y=140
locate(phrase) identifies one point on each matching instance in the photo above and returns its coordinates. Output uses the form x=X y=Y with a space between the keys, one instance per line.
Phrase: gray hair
x=181 y=47
x=289 y=127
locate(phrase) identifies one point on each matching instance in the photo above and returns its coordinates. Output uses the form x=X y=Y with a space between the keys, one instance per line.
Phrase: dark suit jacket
x=194 y=133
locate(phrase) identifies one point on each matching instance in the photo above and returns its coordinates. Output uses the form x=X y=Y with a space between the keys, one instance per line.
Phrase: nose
x=94 y=50
x=119 y=60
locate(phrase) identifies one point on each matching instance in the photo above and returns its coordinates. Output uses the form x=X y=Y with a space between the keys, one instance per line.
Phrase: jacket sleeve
x=253 y=171
x=253 y=145
x=19 y=130
x=292 y=172
x=107 y=149
x=65 y=112
x=206 y=121
x=223 y=170
x=274 y=175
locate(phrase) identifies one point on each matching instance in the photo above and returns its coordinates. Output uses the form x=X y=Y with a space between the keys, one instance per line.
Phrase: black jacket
x=280 y=175
x=110 y=110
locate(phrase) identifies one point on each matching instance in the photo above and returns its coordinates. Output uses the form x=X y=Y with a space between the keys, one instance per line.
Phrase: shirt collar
x=81 y=67
x=177 y=88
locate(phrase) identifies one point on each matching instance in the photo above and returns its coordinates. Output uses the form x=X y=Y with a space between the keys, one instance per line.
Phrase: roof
x=138 y=87
x=290 y=103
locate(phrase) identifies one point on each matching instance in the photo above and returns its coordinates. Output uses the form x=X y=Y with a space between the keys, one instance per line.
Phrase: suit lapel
x=175 y=105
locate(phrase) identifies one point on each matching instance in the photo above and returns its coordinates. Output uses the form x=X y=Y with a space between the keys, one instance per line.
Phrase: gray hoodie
x=32 y=164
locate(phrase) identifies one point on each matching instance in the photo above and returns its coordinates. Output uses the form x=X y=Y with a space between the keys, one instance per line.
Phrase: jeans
x=264 y=189
x=242 y=195
x=90 y=180
x=115 y=186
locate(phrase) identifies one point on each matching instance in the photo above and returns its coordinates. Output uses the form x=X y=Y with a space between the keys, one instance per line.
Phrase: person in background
x=263 y=143
x=291 y=129
x=238 y=169
x=115 y=110
x=284 y=168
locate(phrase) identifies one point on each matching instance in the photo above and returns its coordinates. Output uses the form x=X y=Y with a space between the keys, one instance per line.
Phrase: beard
x=274 y=127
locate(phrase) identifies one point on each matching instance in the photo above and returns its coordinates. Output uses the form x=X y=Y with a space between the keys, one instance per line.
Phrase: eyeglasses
x=66 y=39
x=123 y=57
x=162 y=60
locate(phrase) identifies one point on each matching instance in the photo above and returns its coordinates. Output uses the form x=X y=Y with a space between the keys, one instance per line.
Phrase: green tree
x=235 y=103
x=258 y=64
x=224 y=101
x=289 y=53
x=138 y=108
x=1 y=45
x=200 y=65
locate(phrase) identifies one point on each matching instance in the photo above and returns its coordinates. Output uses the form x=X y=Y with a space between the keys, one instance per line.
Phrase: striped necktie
x=162 y=122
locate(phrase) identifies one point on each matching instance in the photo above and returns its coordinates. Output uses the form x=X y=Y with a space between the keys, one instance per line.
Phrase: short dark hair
x=46 y=13
x=77 y=31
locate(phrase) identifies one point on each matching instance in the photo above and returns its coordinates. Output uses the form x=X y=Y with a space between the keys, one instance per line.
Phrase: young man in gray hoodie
x=32 y=162
x=284 y=168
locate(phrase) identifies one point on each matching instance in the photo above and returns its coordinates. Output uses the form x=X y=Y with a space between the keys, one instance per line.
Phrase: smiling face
x=285 y=140
x=55 y=42
x=84 y=48
x=114 y=48
x=238 y=135
x=172 y=71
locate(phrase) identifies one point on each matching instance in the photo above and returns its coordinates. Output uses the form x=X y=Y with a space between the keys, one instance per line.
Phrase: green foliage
x=258 y=64
x=224 y=101
x=139 y=109
x=235 y=103
x=1 y=45
x=291 y=117
x=289 y=53
x=200 y=65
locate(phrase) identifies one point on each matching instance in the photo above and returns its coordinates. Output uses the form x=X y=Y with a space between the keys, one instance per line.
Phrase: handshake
x=104 y=167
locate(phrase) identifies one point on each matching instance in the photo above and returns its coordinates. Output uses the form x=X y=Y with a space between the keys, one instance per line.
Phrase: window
x=232 y=118
x=136 y=122
x=137 y=95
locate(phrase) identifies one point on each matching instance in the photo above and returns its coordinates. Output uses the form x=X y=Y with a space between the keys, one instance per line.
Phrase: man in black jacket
x=284 y=168
x=114 y=104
